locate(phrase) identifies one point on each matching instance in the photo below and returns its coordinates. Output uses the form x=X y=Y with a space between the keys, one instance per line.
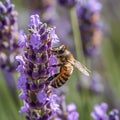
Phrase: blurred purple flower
x=94 y=6
x=57 y=119
x=100 y=113
x=65 y=112
x=22 y=39
x=67 y=3
x=90 y=26
x=8 y=36
x=53 y=102
x=72 y=114
x=71 y=107
x=113 y=115
x=43 y=8
x=95 y=85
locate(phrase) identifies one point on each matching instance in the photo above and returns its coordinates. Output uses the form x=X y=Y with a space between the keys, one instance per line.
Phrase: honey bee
x=66 y=62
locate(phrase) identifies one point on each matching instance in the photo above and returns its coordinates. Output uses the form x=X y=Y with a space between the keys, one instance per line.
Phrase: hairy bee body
x=65 y=73
x=66 y=62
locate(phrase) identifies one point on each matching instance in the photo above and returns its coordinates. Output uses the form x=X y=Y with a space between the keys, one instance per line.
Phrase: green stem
x=80 y=56
x=76 y=34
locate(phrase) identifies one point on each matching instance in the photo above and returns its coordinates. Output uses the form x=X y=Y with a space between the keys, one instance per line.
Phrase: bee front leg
x=52 y=77
x=57 y=65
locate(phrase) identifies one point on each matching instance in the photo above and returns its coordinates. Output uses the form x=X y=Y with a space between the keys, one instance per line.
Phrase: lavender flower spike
x=43 y=8
x=100 y=113
x=66 y=112
x=8 y=36
x=8 y=44
x=34 y=68
x=90 y=26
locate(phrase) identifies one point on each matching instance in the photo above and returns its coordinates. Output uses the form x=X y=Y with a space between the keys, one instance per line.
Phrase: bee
x=66 y=62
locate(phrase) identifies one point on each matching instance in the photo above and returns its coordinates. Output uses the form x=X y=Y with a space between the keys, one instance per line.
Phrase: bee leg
x=57 y=65
x=52 y=77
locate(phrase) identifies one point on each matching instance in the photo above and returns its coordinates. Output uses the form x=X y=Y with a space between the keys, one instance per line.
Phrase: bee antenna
x=64 y=46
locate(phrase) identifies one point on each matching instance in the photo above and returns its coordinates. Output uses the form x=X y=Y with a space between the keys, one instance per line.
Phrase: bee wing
x=80 y=67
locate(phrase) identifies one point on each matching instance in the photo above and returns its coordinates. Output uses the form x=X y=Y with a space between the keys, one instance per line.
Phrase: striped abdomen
x=65 y=72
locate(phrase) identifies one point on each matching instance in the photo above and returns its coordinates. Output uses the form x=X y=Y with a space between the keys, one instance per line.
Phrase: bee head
x=59 y=50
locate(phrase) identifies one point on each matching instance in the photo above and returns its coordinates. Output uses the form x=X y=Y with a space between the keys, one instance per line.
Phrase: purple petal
x=35 y=41
x=53 y=102
x=54 y=38
x=71 y=107
x=73 y=116
x=100 y=112
x=24 y=108
x=42 y=97
x=34 y=20
x=22 y=39
x=21 y=63
x=94 y=5
x=21 y=83
x=22 y=95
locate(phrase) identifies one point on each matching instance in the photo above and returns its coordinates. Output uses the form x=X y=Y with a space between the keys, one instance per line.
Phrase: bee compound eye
x=61 y=51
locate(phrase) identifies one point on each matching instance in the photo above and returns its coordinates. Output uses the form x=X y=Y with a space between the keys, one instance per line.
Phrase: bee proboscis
x=66 y=63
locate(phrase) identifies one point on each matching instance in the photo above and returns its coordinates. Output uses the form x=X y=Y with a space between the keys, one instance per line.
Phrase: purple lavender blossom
x=72 y=114
x=90 y=26
x=42 y=97
x=8 y=45
x=67 y=3
x=96 y=85
x=24 y=108
x=43 y=8
x=93 y=84
x=22 y=39
x=34 y=67
x=21 y=84
x=21 y=61
x=8 y=36
x=113 y=115
x=100 y=113
x=47 y=17
x=53 y=36
x=53 y=102
x=35 y=41
x=66 y=112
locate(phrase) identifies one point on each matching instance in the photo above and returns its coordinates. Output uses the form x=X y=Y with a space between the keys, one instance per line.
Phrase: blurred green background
x=110 y=59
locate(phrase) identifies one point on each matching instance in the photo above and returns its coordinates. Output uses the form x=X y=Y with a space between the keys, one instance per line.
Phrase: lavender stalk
x=8 y=36
x=76 y=34
x=90 y=26
x=34 y=68
x=8 y=44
